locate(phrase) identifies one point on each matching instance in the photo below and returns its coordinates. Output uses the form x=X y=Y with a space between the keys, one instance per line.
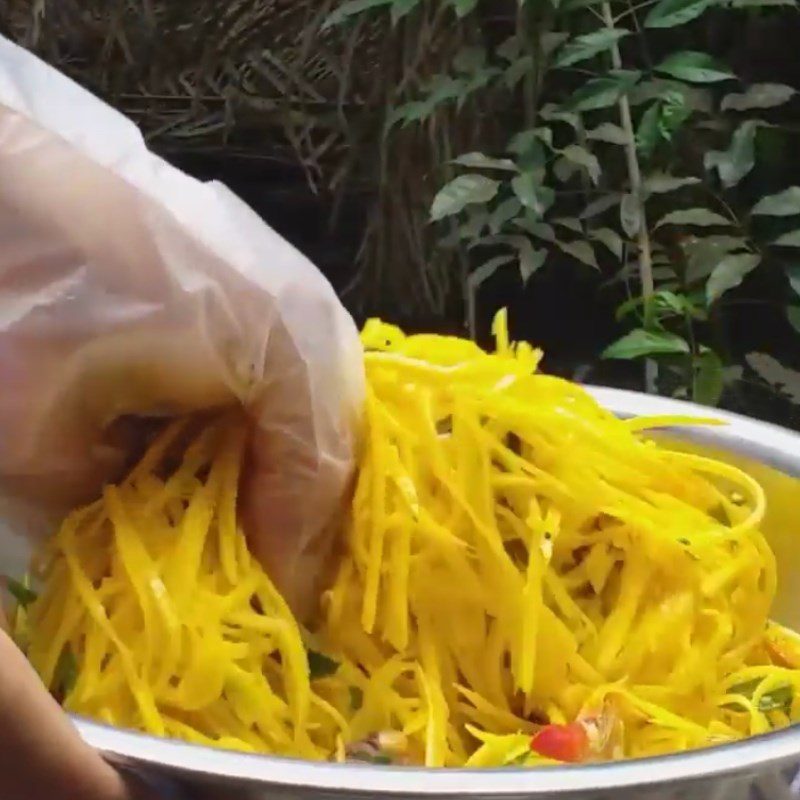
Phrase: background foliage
x=511 y=151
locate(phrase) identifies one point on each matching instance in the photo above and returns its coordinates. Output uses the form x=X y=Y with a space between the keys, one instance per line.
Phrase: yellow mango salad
x=525 y=579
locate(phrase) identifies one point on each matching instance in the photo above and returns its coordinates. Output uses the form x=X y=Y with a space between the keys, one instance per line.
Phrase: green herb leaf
x=793 y=315
x=734 y=163
x=630 y=214
x=603 y=92
x=532 y=193
x=648 y=132
x=694 y=67
x=21 y=593
x=463 y=7
x=779 y=699
x=481 y=161
x=793 y=274
x=783 y=204
x=320 y=665
x=589 y=45
x=608 y=132
x=661 y=183
x=580 y=250
x=641 y=342
x=356 y=698
x=729 y=273
x=760 y=95
x=352 y=9
x=487 y=269
x=785 y=380
x=66 y=674
x=583 y=158
x=791 y=239
x=707 y=379
x=504 y=212
x=671 y=13
x=610 y=238
x=700 y=217
x=461 y=192
x=401 y=8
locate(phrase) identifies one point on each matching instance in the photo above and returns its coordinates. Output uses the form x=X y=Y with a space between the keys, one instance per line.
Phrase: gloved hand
x=129 y=289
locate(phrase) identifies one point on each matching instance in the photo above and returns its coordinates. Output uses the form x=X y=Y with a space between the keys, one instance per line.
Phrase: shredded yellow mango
x=516 y=558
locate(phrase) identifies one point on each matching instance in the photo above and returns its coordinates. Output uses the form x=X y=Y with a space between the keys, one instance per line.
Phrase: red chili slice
x=567 y=743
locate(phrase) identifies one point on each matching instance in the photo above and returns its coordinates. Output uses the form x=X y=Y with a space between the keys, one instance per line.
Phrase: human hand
x=129 y=289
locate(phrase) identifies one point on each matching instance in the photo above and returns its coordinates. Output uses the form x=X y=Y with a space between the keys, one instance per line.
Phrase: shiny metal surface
x=764 y=767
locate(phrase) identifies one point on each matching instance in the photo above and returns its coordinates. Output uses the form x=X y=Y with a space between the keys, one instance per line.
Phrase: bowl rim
x=762 y=441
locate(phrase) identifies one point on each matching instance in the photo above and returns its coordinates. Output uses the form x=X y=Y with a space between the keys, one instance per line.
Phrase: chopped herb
x=66 y=674
x=684 y=541
x=356 y=698
x=21 y=593
x=779 y=699
x=320 y=665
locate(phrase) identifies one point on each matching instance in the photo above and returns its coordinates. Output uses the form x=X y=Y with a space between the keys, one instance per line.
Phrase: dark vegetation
x=621 y=174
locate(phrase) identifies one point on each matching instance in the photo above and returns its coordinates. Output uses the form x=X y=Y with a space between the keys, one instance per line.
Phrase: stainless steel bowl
x=763 y=767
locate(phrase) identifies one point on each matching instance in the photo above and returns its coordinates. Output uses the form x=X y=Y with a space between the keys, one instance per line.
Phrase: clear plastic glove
x=128 y=288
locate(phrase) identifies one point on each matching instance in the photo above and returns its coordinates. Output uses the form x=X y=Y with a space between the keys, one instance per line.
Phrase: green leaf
x=774 y=373
x=589 y=45
x=580 y=250
x=704 y=253
x=525 y=140
x=532 y=193
x=20 y=592
x=511 y=49
x=707 y=379
x=461 y=192
x=648 y=132
x=356 y=698
x=793 y=275
x=66 y=674
x=630 y=215
x=488 y=268
x=584 y=159
x=504 y=212
x=477 y=220
x=610 y=238
x=352 y=9
x=597 y=207
x=791 y=239
x=694 y=67
x=401 y=8
x=641 y=342
x=553 y=113
x=762 y=3
x=603 y=92
x=481 y=161
x=783 y=204
x=320 y=665
x=530 y=261
x=608 y=132
x=671 y=13
x=661 y=183
x=570 y=223
x=739 y=159
x=700 y=217
x=729 y=273
x=760 y=95
x=793 y=315
x=541 y=230
x=779 y=698
x=463 y=7
x=517 y=71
